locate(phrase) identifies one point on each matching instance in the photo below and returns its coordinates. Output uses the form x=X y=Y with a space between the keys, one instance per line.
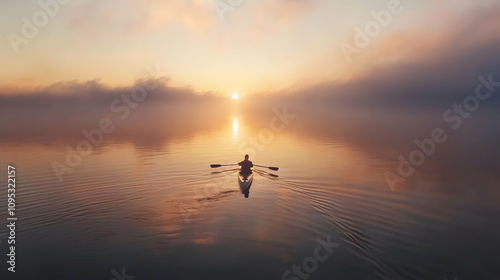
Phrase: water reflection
x=245 y=182
x=128 y=202
x=235 y=127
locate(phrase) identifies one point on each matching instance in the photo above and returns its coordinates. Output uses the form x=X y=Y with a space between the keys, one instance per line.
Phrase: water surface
x=149 y=202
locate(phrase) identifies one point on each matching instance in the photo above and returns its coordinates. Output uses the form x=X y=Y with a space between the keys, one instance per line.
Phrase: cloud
x=419 y=68
x=58 y=113
x=123 y=15
x=197 y=16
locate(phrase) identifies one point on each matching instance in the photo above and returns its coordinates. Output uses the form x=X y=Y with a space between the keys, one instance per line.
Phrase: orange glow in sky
x=258 y=46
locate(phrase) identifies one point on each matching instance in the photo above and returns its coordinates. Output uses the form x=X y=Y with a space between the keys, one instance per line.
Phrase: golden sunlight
x=235 y=96
x=235 y=127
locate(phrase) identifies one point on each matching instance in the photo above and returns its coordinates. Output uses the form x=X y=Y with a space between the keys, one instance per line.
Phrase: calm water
x=154 y=207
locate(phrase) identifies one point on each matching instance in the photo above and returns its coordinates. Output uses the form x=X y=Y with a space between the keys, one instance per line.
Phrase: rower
x=246 y=166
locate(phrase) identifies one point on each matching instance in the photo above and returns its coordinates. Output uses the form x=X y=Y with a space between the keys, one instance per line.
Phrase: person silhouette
x=246 y=166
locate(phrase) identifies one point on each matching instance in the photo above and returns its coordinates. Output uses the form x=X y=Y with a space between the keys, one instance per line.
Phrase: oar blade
x=215 y=165
x=270 y=167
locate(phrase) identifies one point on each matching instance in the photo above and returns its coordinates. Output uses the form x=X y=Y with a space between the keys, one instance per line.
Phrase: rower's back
x=246 y=166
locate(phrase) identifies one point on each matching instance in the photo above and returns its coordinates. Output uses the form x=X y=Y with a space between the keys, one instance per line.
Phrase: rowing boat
x=245 y=182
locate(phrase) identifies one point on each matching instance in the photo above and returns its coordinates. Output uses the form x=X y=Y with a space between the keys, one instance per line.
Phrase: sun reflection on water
x=235 y=127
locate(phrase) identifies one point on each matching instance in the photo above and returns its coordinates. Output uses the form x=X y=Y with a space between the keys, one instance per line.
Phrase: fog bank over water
x=371 y=116
x=171 y=115
x=60 y=112
x=382 y=110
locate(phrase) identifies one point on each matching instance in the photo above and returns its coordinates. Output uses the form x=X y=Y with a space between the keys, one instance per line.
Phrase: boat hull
x=245 y=182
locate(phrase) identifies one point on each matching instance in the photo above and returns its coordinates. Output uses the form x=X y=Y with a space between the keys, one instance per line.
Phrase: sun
x=235 y=96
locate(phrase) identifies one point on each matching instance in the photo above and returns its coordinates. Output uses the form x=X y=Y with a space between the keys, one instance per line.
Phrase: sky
x=251 y=47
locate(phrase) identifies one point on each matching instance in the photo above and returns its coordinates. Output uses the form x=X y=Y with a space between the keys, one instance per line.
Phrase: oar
x=224 y=171
x=270 y=167
x=219 y=165
x=266 y=174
